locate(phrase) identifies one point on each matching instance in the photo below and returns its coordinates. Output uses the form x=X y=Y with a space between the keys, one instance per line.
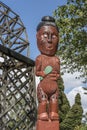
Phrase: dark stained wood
x=17 y=78
x=16 y=55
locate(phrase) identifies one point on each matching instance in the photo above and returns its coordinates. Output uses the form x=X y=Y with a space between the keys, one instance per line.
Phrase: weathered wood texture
x=17 y=85
x=12 y=31
x=17 y=92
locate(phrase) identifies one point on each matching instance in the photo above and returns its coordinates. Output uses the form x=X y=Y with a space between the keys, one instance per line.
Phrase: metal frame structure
x=17 y=79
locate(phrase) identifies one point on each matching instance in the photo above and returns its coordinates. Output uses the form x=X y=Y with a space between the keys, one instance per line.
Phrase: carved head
x=47 y=36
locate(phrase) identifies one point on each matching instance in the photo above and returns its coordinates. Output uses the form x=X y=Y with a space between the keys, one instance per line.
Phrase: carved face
x=47 y=40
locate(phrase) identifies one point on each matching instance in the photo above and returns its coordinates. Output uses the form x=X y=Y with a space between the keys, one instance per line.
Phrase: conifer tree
x=74 y=116
x=64 y=105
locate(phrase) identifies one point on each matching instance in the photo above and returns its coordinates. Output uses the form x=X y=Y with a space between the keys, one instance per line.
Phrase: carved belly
x=48 y=86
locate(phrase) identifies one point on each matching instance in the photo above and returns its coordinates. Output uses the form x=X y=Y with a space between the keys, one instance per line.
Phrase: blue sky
x=31 y=12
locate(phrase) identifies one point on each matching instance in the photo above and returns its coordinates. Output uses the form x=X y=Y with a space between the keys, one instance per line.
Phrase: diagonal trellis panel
x=17 y=86
x=12 y=31
x=17 y=91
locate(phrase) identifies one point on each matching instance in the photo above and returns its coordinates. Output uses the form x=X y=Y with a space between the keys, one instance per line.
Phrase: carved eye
x=45 y=35
x=54 y=36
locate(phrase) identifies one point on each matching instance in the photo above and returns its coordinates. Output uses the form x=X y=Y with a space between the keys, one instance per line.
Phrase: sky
x=83 y=96
x=31 y=12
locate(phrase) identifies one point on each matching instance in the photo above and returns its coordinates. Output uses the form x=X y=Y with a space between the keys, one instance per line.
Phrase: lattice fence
x=12 y=30
x=17 y=85
x=17 y=91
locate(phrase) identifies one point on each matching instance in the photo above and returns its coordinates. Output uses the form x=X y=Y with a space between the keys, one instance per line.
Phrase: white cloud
x=71 y=82
x=72 y=87
x=71 y=97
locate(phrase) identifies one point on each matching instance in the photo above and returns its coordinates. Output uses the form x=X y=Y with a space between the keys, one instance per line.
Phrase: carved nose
x=49 y=39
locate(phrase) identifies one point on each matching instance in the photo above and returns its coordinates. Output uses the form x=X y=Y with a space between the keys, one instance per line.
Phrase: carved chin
x=48 y=52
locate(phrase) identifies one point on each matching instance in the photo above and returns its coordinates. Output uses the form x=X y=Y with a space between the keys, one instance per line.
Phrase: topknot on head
x=47 y=20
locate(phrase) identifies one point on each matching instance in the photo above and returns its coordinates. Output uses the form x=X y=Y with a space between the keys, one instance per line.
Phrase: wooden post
x=47 y=125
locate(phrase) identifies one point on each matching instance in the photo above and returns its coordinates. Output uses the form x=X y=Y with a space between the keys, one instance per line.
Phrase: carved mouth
x=49 y=47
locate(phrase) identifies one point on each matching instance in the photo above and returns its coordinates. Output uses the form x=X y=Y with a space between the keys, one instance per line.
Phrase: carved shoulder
x=57 y=59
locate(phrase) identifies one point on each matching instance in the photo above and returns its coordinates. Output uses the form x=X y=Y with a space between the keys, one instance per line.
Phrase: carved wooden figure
x=48 y=68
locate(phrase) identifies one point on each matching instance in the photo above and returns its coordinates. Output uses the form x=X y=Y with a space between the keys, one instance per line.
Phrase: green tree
x=72 y=22
x=74 y=116
x=85 y=118
x=64 y=105
x=81 y=127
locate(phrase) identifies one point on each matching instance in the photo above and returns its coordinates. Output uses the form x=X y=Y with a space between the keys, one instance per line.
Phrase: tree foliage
x=85 y=118
x=74 y=116
x=81 y=127
x=72 y=22
x=63 y=102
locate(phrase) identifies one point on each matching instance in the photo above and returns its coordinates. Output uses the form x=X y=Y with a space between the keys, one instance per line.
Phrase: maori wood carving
x=48 y=68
